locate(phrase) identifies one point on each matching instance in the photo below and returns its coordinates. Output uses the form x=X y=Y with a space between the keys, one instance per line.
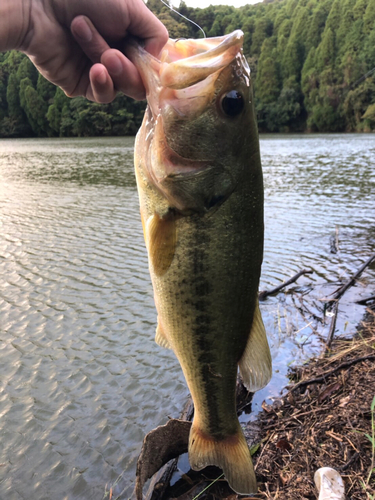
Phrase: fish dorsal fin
x=256 y=363
x=161 y=242
x=161 y=338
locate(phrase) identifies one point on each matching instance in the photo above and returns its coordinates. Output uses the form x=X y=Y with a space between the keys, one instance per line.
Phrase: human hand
x=69 y=43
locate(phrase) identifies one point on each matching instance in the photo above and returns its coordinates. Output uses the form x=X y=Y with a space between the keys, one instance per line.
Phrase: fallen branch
x=340 y=291
x=338 y=294
x=323 y=377
x=266 y=293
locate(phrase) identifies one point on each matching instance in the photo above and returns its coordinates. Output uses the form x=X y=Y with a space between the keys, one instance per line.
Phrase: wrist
x=14 y=23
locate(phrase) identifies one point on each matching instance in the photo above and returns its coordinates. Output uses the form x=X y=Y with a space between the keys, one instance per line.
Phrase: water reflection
x=81 y=378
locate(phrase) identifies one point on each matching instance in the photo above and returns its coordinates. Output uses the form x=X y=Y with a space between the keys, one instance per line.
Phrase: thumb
x=145 y=25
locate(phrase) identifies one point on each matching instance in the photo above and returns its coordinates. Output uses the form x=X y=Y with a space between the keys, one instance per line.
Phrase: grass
x=372 y=441
x=209 y=486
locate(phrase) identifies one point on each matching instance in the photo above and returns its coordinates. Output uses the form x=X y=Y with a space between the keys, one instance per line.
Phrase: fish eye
x=232 y=103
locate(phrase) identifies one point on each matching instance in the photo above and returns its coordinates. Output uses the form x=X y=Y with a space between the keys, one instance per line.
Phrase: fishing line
x=184 y=17
x=362 y=78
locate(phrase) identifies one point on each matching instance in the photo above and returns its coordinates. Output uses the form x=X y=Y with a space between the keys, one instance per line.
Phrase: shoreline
x=261 y=133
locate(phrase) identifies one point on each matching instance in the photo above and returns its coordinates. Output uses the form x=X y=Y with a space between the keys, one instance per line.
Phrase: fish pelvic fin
x=161 y=338
x=161 y=242
x=256 y=362
x=231 y=454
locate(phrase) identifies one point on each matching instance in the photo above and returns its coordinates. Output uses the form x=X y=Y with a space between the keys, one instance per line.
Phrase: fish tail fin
x=231 y=454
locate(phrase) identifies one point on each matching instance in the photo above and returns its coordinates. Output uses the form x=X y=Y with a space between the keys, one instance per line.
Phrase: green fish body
x=200 y=187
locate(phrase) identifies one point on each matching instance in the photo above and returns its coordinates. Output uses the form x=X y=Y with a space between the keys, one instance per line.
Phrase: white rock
x=330 y=484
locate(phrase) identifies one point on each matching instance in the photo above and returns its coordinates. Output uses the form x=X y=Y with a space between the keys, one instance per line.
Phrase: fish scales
x=200 y=187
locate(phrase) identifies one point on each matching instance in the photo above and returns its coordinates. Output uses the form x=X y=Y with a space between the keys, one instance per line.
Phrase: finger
x=145 y=25
x=101 y=88
x=89 y=39
x=124 y=74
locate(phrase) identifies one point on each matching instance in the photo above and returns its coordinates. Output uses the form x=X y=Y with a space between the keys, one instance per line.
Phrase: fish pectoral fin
x=161 y=338
x=231 y=454
x=256 y=363
x=161 y=242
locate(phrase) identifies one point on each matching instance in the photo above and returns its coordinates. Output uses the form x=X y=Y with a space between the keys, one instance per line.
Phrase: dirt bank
x=322 y=422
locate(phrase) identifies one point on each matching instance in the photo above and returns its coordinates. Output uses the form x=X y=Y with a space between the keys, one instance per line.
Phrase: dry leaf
x=328 y=391
x=283 y=444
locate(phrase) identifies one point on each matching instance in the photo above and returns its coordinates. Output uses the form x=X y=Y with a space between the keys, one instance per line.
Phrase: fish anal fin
x=231 y=454
x=161 y=242
x=161 y=338
x=256 y=363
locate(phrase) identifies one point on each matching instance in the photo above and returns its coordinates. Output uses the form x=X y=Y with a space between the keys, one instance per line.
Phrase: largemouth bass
x=200 y=188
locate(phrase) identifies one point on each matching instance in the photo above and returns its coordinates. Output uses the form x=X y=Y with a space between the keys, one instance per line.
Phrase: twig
x=349 y=463
x=363 y=302
x=293 y=417
x=264 y=447
x=332 y=327
x=323 y=377
x=266 y=293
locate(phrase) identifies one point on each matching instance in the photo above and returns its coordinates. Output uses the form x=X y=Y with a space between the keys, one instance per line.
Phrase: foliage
x=308 y=60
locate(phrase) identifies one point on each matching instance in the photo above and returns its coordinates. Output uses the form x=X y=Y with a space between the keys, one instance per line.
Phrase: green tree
x=357 y=103
x=326 y=53
x=359 y=9
x=55 y=110
x=292 y=62
x=268 y=81
x=309 y=60
x=369 y=17
x=316 y=25
x=262 y=30
x=3 y=94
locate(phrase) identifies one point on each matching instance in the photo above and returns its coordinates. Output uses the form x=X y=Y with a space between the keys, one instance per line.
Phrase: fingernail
x=83 y=30
x=101 y=78
x=114 y=65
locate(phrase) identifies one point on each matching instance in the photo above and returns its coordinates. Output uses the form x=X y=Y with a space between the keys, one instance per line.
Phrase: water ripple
x=81 y=379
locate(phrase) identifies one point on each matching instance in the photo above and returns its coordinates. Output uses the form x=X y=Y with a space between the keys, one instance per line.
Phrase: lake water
x=81 y=378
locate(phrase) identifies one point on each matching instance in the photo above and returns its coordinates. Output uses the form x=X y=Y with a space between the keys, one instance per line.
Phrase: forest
x=312 y=64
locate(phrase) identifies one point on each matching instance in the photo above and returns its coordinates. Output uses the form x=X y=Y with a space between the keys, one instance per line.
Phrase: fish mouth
x=187 y=62
x=187 y=69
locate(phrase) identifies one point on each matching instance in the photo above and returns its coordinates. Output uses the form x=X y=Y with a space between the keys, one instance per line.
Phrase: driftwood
x=264 y=294
x=174 y=438
x=163 y=445
x=159 y=447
